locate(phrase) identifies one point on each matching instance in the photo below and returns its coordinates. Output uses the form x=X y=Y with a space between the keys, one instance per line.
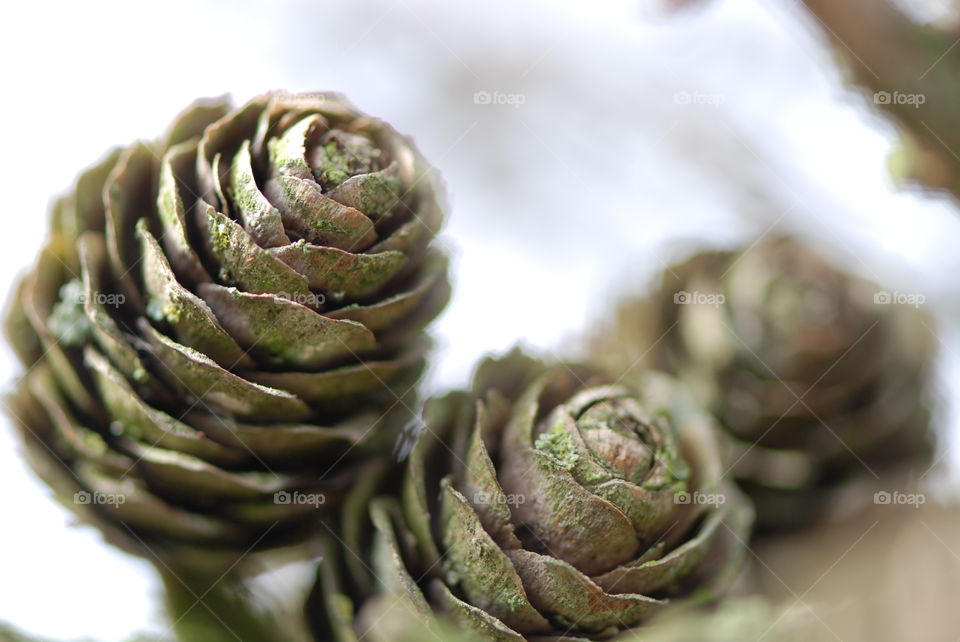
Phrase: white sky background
x=582 y=191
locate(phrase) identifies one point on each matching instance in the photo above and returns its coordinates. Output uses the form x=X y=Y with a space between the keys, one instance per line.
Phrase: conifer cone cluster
x=819 y=376
x=549 y=503
x=222 y=342
x=226 y=323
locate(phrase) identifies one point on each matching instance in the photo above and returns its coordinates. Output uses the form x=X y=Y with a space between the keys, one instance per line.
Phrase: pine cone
x=548 y=502
x=225 y=323
x=732 y=619
x=388 y=619
x=818 y=375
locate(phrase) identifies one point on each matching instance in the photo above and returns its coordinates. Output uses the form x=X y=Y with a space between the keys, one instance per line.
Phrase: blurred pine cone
x=735 y=619
x=226 y=322
x=546 y=502
x=818 y=375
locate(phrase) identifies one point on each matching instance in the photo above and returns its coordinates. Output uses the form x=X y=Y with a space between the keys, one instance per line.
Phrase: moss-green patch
x=559 y=443
x=161 y=311
x=334 y=168
x=344 y=155
x=245 y=264
x=172 y=313
x=93 y=442
x=481 y=569
x=219 y=236
x=342 y=275
x=68 y=321
x=275 y=343
x=674 y=466
x=287 y=152
x=380 y=194
x=319 y=224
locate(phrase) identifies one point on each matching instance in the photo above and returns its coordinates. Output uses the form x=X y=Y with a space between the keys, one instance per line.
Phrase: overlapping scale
x=228 y=319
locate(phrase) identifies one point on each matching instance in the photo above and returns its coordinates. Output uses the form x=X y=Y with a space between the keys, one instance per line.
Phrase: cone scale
x=226 y=324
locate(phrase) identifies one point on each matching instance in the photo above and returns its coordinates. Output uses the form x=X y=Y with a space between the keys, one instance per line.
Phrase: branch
x=913 y=71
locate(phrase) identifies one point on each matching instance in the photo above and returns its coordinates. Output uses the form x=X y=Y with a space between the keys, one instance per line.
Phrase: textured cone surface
x=733 y=619
x=547 y=503
x=819 y=376
x=227 y=322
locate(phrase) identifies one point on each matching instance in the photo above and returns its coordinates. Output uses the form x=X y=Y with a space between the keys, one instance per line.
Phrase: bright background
x=632 y=134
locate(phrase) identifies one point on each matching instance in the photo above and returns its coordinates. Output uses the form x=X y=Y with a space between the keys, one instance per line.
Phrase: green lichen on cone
x=547 y=502
x=819 y=376
x=227 y=323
